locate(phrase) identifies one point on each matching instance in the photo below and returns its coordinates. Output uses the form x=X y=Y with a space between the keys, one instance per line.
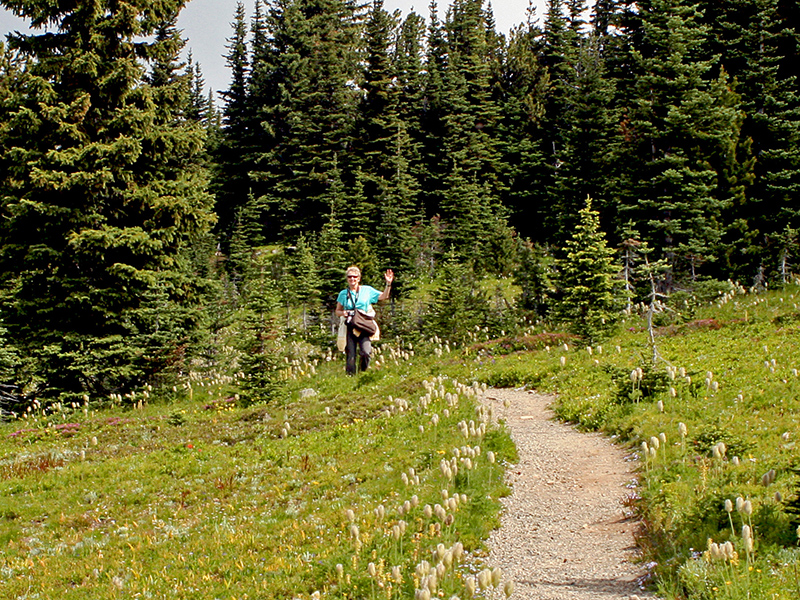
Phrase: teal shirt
x=366 y=295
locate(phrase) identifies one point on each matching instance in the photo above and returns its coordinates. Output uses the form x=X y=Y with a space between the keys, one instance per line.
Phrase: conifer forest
x=602 y=156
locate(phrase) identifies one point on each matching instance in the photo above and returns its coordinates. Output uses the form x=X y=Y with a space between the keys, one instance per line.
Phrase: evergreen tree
x=408 y=69
x=589 y=304
x=260 y=342
x=534 y=275
x=588 y=125
x=457 y=304
x=330 y=249
x=435 y=162
x=525 y=173
x=200 y=102
x=398 y=212
x=315 y=67
x=470 y=203
x=104 y=297
x=751 y=36
x=231 y=184
x=360 y=253
x=305 y=284
x=681 y=137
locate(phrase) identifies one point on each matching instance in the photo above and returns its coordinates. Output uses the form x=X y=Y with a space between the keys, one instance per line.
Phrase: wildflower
x=439 y=511
x=563 y=360
x=470 y=586
x=660 y=406
x=713 y=550
x=484 y=579
x=747 y=508
x=654 y=443
x=371 y=570
x=447 y=559
x=397 y=575
x=663 y=437
x=682 y=429
x=497 y=576
x=490 y=457
x=728 y=505
x=747 y=538
x=351 y=516
x=458 y=549
x=768 y=478
x=508 y=588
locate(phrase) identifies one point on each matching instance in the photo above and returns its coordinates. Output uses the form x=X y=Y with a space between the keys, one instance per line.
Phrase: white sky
x=207 y=25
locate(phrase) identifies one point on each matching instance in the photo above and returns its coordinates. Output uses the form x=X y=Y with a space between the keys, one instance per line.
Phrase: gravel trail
x=565 y=532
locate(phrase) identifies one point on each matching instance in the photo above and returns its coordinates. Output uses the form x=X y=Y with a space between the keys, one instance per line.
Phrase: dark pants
x=361 y=344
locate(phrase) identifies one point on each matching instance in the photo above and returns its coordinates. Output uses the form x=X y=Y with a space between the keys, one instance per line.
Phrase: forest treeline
x=137 y=217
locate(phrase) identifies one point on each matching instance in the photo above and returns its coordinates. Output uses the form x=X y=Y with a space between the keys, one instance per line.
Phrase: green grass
x=195 y=496
x=201 y=498
x=729 y=375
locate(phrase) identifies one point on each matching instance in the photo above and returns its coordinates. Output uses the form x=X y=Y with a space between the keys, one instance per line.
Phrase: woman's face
x=352 y=281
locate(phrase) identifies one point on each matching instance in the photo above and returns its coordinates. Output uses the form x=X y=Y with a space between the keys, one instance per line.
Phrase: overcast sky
x=207 y=26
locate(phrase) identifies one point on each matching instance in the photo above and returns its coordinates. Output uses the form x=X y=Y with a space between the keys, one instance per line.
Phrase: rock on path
x=565 y=533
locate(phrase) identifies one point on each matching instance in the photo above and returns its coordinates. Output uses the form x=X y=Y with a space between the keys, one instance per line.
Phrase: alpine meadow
x=603 y=205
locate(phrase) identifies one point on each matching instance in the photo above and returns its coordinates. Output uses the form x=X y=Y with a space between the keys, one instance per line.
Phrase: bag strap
x=350 y=297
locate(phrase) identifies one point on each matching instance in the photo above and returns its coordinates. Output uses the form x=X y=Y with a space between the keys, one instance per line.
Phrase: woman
x=359 y=297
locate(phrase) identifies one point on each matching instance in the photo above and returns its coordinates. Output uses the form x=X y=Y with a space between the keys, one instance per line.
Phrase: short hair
x=352 y=270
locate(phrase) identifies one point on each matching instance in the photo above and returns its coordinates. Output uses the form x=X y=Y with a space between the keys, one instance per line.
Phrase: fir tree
x=470 y=203
x=260 y=342
x=315 y=65
x=457 y=304
x=108 y=177
x=751 y=36
x=589 y=304
x=231 y=184
x=305 y=283
x=680 y=140
x=525 y=173
x=534 y=275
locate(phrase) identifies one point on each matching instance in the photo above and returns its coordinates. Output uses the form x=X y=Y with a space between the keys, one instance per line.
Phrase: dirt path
x=565 y=533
